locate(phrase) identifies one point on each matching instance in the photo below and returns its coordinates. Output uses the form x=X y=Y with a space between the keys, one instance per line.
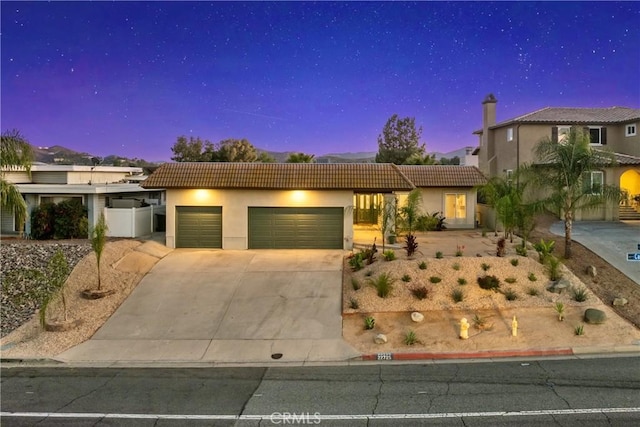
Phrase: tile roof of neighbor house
x=619 y=158
x=443 y=176
x=562 y=115
x=280 y=176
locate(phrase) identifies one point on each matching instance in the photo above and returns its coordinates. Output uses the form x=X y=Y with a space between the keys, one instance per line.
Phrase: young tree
x=15 y=153
x=387 y=214
x=563 y=172
x=399 y=141
x=300 y=158
x=264 y=157
x=235 y=150
x=411 y=209
x=192 y=150
x=98 y=241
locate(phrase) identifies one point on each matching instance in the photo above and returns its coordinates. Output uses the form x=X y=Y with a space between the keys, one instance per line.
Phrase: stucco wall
x=235 y=204
x=433 y=200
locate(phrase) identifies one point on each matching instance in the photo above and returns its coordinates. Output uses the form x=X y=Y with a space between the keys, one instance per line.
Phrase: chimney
x=488 y=120
x=488 y=112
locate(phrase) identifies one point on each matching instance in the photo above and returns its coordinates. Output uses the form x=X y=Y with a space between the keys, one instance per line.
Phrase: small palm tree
x=15 y=153
x=411 y=209
x=99 y=240
x=560 y=171
x=300 y=158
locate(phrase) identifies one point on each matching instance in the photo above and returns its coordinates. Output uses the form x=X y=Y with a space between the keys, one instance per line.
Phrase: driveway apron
x=228 y=306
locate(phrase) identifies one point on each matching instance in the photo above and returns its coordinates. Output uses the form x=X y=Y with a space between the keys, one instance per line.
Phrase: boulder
x=618 y=302
x=417 y=317
x=592 y=271
x=594 y=316
x=380 y=339
x=559 y=286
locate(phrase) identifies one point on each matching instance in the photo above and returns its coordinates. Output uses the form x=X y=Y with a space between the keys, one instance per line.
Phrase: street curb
x=468 y=355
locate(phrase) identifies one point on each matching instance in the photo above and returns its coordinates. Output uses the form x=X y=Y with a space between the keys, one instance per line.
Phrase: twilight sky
x=128 y=78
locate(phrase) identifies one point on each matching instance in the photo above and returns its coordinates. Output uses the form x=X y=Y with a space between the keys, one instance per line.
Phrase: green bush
x=462 y=281
x=389 y=255
x=552 y=265
x=485 y=266
x=579 y=294
x=457 y=295
x=521 y=250
x=510 y=295
x=511 y=280
x=354 y=304
x=369 y=322
x=532 y=291
x=43 y=222
x=456 y=266
x=383 y=284
x=427 y=223
x=489 y=282
x=356 y=262
x=71 y=221
x=439 y=254
x=532 y=277
x=515 y=262
x=422 y=265
x=355 y=284
x=406 y=278
x=435 y=279
x=410 y=338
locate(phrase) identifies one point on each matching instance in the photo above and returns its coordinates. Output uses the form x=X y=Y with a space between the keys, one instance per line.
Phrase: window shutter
x=554 y=134
x=603 y=136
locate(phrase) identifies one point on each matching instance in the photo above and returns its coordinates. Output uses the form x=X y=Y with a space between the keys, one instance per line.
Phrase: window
x=509 y=175
x=592 y=182
x=509 y=134
x=560 y=133
x=58 y=199
x=455 y=206
x=630 y=130
x=598 y=135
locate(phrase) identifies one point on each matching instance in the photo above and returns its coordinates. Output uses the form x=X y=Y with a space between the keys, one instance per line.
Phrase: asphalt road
x=548 y=392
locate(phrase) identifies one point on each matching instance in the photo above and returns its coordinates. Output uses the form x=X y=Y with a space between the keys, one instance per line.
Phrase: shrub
x=511 y=280
x=459 y=250
x=422 y=265
x=462 y=281
x=485 y=266
x=579 y=330
x=356 y=262
x=353 y=303
x=439 y=255
x=532 y=291
x=389 y=255
x=489 y=282
x=579 y=294
x=435 y=279
x=456 y=266
x=457 y=295
x=368 y=273
x=355 y=284
x=56 y=275
x=71 y=220
x=514 y=262
x=426 y=223
x=369 y=322
x=410 y=338
x=98 y=241
x=42 y=222
x=559 y=307
x=532 y=277
x=552 y=265
x=410 y=245
x=522 y=251
x=383 y=284
x=406 y=278
x=544 y=249
x=510 y=295
x=500 y=247
x=420 y=292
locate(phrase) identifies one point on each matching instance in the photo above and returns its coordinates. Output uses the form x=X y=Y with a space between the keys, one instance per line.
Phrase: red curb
x=468 y=355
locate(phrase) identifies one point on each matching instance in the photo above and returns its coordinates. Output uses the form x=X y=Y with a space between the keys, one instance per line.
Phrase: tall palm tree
x=15 y=153
x=562 y=172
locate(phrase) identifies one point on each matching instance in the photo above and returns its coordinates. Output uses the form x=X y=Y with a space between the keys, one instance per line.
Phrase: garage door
x=295 y=228
x=198 y=226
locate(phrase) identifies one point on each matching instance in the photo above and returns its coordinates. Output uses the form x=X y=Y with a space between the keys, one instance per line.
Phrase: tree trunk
x=568 y=225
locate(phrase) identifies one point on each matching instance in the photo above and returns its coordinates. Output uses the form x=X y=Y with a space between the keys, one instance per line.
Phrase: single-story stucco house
x=308 y=205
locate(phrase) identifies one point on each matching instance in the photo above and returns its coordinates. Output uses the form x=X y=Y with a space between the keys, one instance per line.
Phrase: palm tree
x=300 y=158
x=15 y=153
x=497 y=193
x=563 y=173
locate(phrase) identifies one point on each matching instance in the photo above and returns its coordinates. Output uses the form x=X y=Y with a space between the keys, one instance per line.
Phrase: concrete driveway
x=228 y=306
x=611 y=240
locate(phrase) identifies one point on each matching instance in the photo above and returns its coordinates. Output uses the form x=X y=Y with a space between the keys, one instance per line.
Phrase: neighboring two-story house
x=507 y=145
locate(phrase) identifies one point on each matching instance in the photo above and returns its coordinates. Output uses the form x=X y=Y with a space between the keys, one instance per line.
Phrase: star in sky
x=128 y=78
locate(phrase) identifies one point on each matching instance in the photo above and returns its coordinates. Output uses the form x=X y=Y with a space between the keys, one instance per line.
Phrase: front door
x=366 y=208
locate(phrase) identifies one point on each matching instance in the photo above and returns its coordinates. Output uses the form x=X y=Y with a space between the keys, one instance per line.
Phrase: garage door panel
x=295 y=228
x=199 y=227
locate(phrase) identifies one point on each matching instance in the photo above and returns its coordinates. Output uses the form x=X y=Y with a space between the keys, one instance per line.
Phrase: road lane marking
x=281 y=416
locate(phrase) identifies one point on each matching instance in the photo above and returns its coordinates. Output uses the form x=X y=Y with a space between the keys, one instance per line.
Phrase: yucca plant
x=457 y=295
x=410 y=338
x=369 y=322
x=579 y=294
x=383 y=284
x=559 y=307
x=544 y=249
x=510 y=295
x=579 y=330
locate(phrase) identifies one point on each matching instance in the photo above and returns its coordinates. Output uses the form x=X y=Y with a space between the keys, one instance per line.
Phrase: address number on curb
x=633 y=257
x=385 y=356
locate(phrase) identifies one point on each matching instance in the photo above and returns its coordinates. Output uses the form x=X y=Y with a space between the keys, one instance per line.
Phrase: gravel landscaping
x=20 y=293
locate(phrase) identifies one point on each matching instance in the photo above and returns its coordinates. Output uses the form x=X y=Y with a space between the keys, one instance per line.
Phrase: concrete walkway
x=228 y=307
x=610 y=240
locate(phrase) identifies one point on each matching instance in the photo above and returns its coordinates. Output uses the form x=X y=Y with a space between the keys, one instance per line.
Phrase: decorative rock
x=591 y=271
x=380 y=339
x=620 y=302
x=594 y=316
x=559 y=286
x=417 y=317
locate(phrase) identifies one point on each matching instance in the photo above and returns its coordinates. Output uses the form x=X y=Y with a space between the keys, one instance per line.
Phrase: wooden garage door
x=296 y=228
x=198 y=226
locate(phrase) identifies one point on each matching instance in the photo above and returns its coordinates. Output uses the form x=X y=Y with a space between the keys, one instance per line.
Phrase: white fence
x=133 y=222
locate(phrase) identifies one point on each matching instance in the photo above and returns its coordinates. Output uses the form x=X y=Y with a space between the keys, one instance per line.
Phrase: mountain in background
x=60 y=155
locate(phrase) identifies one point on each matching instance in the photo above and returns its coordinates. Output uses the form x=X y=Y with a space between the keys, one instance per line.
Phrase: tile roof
x=626 y=159
x=443 y=176
x=559 y=115
x=280 y=176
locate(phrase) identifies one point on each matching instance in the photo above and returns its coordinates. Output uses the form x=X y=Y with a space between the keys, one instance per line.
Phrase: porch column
x=389 y=208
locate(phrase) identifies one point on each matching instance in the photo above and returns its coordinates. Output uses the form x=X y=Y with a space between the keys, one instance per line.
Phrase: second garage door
x=296 y=228
x=198 y=227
